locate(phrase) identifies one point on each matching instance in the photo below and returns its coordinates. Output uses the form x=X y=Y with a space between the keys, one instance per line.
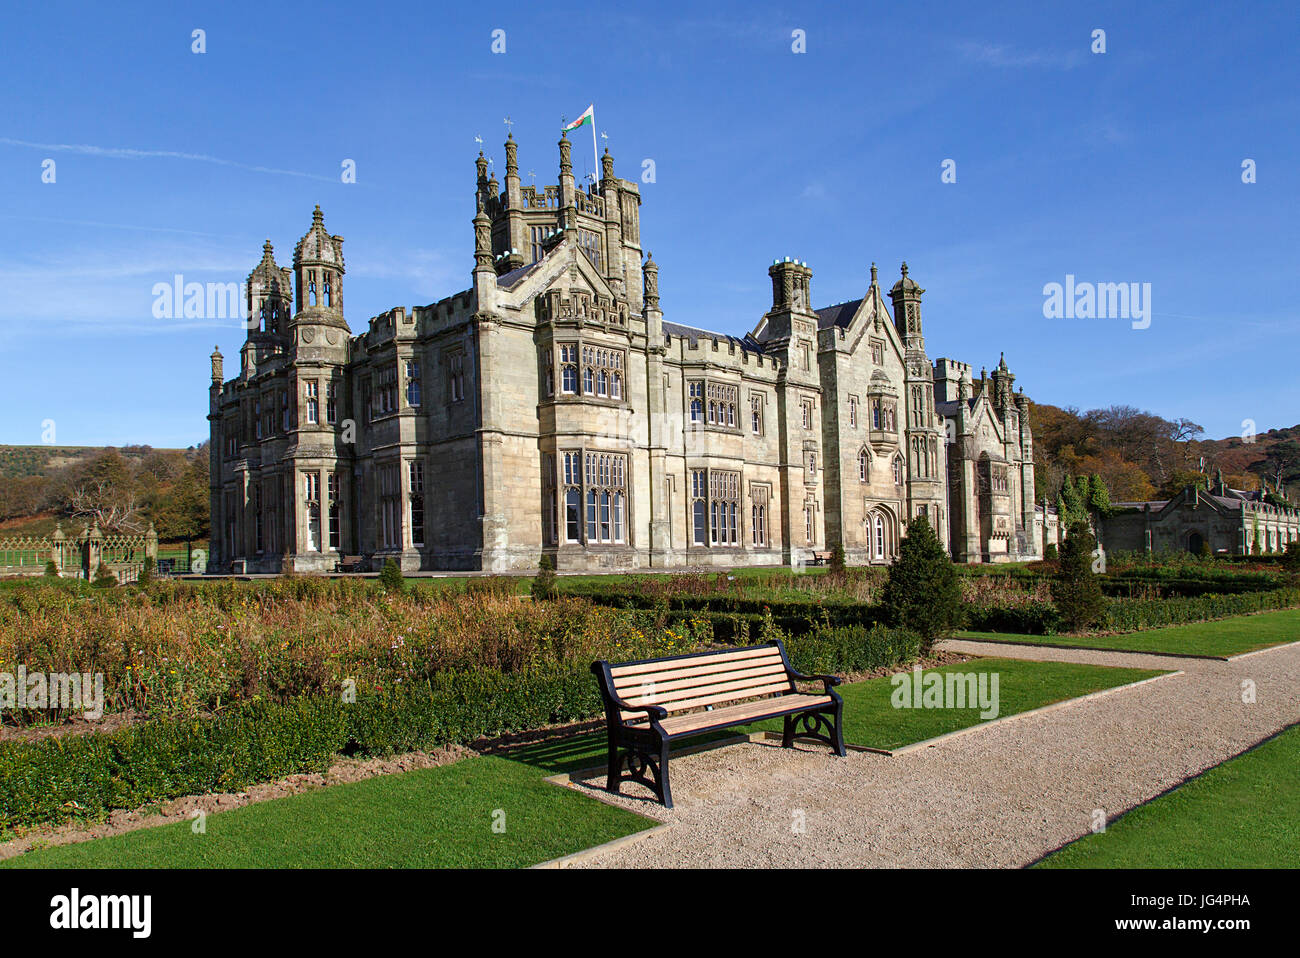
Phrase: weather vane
x=510 y=124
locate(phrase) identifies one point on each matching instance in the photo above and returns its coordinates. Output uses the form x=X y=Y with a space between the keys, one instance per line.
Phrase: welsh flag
x=584 y=120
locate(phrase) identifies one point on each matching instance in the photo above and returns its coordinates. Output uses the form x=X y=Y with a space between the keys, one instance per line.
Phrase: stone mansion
x=552 y=408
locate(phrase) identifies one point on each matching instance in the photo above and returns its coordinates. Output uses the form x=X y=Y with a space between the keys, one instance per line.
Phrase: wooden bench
x=650 y=704
x=348 y=564
x=821 y=558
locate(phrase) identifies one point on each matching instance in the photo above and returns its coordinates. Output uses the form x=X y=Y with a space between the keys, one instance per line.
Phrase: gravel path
x=999 y=797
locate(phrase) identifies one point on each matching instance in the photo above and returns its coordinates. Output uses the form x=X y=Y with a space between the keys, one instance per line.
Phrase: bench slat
x=736 y=714
x=668 y=698
x=656 y=686
x=644 y=668
x=721 y=697
x=689 y=670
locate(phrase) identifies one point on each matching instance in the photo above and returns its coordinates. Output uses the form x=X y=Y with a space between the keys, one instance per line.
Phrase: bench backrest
x=688 y=682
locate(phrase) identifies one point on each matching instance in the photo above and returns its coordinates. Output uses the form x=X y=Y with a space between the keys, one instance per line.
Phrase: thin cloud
x=999 y=55
x=127 y=153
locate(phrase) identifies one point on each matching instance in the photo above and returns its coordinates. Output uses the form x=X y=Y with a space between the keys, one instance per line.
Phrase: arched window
x=878 y=537
x=616 y=386
x=329 y=297
x=701 y=523
x=864 y=466
x=591 y=515
x=898 y=470
x=618 y=517
x=602 y=383
x=588 y=381
x=573 y=516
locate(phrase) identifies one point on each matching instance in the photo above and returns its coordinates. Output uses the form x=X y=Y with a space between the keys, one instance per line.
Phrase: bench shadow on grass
x=585 y=750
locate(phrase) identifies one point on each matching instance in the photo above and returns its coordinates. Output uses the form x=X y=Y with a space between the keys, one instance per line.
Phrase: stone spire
x=650 y=272
x=906 y=296
x=319 y=268
x=482 y=237
x=217 y=366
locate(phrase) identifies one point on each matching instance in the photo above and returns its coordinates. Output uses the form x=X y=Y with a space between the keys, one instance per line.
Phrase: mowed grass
x=432 y=818
x=1221 y=638
x=871 y=720
x=1244 y=813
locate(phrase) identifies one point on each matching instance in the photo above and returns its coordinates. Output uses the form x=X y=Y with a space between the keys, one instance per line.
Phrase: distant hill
x=122 y=488
x=20 y=462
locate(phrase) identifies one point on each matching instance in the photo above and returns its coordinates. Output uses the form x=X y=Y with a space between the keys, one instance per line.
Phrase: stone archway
x=1195 y=541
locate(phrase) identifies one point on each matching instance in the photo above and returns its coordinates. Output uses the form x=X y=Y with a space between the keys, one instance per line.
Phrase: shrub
x=390 y=577
x=1291 y=558
x=51 y=569
x=543 y=588
x=1050 y=553
x=145 y=578
x=104 y=577
x=497 y=585
x=1075 y=589
x=923 y=593
x=837 y=561
x=847 y=649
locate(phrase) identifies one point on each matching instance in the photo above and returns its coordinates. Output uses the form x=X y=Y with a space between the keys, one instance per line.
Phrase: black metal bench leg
x=839 y=729
x=615 y=767
x=787 y=735
x=665 y=793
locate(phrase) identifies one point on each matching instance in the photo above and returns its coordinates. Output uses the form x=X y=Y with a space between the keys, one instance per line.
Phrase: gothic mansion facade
x=552 y=409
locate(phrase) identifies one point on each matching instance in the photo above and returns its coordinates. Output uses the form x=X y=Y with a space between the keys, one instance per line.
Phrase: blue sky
x=1115 y=167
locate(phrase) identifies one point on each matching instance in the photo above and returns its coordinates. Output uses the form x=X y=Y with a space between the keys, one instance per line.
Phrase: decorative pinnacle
x=316 y=217
x=873 y=274
x=904 y=269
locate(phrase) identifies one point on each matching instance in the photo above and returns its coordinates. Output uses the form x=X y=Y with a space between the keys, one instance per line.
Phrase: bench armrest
x=612 y=698
x=829 y=681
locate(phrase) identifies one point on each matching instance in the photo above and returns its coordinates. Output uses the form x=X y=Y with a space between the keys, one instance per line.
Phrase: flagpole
x=595 y=158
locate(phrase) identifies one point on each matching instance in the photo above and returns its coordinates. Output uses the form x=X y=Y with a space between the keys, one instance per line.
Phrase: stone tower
x=927 y=469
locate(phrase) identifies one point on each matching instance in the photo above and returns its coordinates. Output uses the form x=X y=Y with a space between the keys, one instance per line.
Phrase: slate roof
x=693 y=334
x=518 y=275
x=841 y=314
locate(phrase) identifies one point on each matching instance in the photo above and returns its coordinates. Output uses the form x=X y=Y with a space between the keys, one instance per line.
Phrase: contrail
x=126 y=153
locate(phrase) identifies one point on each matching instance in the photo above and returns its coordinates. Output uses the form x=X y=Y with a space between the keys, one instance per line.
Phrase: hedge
x=1133 y=615
x=88 y=775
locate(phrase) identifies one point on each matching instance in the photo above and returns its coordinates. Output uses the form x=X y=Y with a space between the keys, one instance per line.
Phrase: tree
x=1076 y=591
x=145 y=578
x=51 y=569
x=104 y=577
x=544 y=582
x=390 y=577
x=922 y=592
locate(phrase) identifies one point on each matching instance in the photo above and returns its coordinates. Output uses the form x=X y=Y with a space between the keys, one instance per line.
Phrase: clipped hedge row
x=88 y=775
x=849 y=649
x=741 y=628
x=1133 y=615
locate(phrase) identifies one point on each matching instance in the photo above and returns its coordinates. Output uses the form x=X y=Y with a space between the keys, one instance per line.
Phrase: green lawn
x=1221 y=638
x=870 y=718
x=433 y=818
x=1244 y=813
